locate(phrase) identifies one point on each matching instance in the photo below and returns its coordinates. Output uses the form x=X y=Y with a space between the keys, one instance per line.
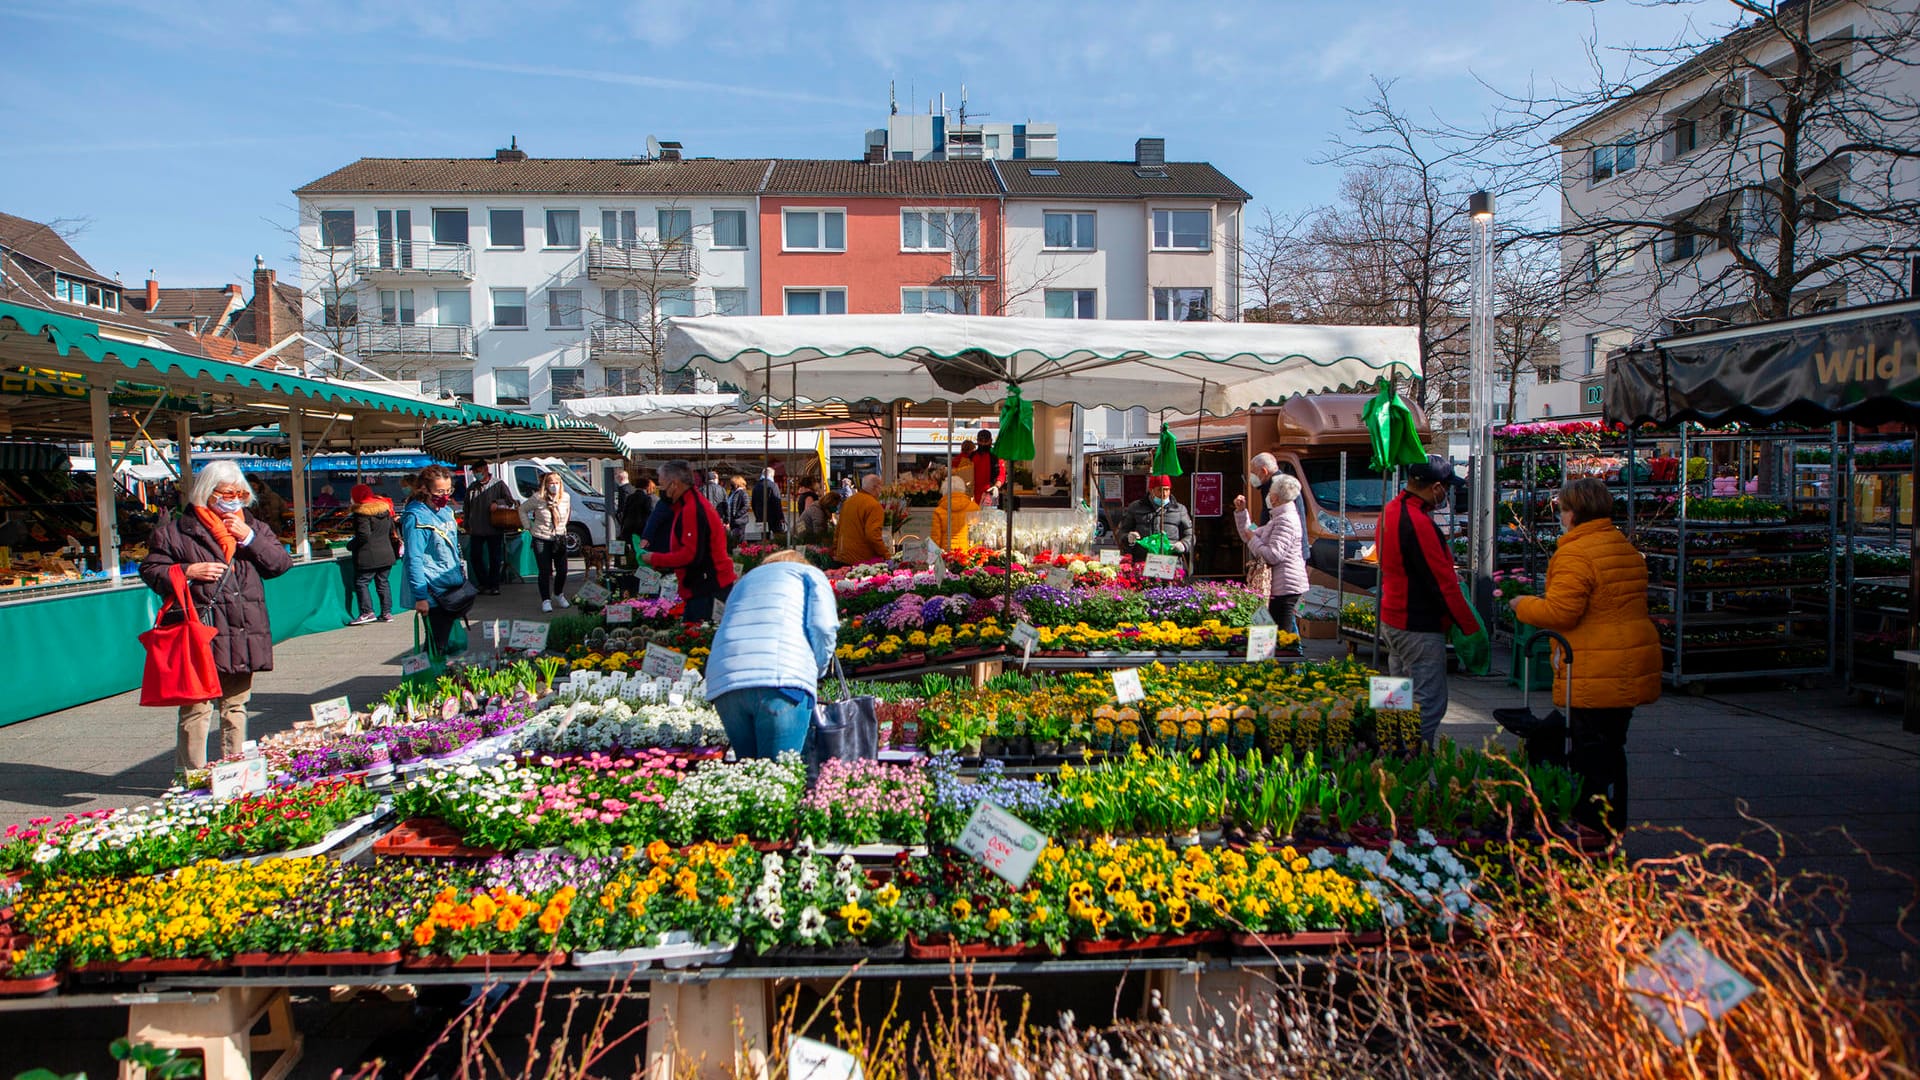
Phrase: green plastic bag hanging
x=1156 y=544
x=1390 y=425
x=1474 y=651
x=1016 y=428
x=1166 y=456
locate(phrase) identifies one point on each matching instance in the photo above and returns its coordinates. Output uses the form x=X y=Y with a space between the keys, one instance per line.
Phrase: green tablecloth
x=85 y=647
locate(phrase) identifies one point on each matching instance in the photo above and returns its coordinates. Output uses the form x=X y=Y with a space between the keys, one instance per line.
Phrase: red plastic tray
x=427 y=838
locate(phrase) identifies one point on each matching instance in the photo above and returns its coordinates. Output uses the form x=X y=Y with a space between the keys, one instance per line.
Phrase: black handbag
x=844 y=730
x=458 y=600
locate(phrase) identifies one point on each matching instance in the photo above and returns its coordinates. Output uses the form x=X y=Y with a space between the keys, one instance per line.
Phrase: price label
x=1109 y=556
x=592 y=593
x=450 y=708
x=238 y=777
x=719 y=611
x=527 y=634
x=1059 y=577
x=938 y=564
x=1388 y=693
x=810 y=1060
x=1685 y=987
x=493 y=633
x=1164 y=567
x=1126 y=686
x=1002 y=843
x=415 y=664
x=661 y=662
x=1024 y=636
x=914 y=550
x=619 y=615
x=646 y=580
x=676 y=695
x=1261 y=641
x=382 y=715
x=755 y=530
x=330 y=711
x=669 y=589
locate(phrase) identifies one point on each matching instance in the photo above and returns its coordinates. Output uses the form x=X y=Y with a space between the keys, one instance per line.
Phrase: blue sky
x=180 y=128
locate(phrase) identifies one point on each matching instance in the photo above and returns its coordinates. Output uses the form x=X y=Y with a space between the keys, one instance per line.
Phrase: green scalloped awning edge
x=922 y=351
x=487 y=414
x=67 y=333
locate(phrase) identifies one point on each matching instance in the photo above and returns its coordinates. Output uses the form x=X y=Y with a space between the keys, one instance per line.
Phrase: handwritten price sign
x=619 y=615
x=528 y=635
x=1385 y=693
x=662 y=662
x=1164 y=567
x=1126 y=686
x=1261 y=642
x=1685 y=987
x=330 y=711
x=1002 y=843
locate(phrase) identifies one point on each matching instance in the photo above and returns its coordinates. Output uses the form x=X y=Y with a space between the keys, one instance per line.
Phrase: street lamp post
x=1482 y=530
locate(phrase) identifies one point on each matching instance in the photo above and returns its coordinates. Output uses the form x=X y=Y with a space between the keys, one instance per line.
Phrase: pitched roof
x=43 y=245
x=288 y=319
x=206 y=308
x=544 y=176
x=802 y=177
x=21 y=282
x=1116 y=179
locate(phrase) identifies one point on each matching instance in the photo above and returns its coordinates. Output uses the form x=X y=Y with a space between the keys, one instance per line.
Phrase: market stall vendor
x=1158 y=513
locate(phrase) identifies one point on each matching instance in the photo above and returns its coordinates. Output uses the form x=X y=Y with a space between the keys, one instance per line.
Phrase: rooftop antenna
x=893 y=101
x=653 y=148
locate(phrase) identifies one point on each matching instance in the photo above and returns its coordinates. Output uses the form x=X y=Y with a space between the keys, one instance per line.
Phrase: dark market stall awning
x=1861 y=365
x=550 y=437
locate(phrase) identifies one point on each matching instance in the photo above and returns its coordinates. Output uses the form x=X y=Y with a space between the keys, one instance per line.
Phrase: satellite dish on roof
x=653 y=148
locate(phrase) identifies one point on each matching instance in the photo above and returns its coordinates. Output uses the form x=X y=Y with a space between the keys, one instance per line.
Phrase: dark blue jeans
x=488 y=554
x=765 y=721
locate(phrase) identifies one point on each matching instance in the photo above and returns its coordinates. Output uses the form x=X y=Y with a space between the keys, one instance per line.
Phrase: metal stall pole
x=297 y=464
x=1340 y=550
x=1911 y=706
x=105 y=515
x=183 y=439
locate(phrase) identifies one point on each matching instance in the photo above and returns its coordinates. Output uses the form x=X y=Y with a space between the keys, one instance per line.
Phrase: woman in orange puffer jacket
x=1596 y=596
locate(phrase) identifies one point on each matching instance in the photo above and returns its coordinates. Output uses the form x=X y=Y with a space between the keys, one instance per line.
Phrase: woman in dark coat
x=374 y=552
x=226 y=553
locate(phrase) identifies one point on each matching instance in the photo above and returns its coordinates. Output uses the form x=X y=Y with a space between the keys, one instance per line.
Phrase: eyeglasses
x=232 y=493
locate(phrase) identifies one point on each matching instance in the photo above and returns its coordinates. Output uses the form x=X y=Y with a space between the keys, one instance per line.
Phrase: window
x=510 y=309
x=568 y=383
x=563 y=309
x=336 y=229
x=623 y=381
x=622 y=305
x=339 y=307
x=1593 y=354
x=396 y=307
x=816 y=301
x=563 y=228
x=934 y=301
x=675 y=302
x=510 y=386
x=619 y=226
x=1682 y=243
x=458 y=383
x=1545 y=373
x=449 y=226
x=926 y=230
x=676 y=226
x=730 y=228
x=1069 y=231
x=1623 y=154
x=1037 y=170
x=1182 y=305
x=1608 y=255
x=452 y=307
x=1686 y=137
x=1826 y=202
x=729 y=301
x=1611 y=161
x=815 y=230
x=1499 y=412
x=506 y=228
x=1182 y=230
x=1071 y=304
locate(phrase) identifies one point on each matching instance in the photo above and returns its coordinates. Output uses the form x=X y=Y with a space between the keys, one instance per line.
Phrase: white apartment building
x=519 y=282
x=1657 y=188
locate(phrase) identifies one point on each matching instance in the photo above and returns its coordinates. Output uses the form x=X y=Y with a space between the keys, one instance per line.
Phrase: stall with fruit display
x=68 y=380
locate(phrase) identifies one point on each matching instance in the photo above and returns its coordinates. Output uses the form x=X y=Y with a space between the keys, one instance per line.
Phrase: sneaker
x=546 y=605
x=561 y=601
x=363 y=620
x=384 y=618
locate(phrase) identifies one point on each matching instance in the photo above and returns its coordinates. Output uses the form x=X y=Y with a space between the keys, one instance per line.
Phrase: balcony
x=641 y=260
x=385 y=259
x=380 y=340
x=624 y=341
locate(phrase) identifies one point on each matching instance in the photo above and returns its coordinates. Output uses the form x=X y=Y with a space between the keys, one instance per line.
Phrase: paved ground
x=1840 y=780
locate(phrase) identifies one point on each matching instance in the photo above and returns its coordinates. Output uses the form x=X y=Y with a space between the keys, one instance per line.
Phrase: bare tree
x=1270 y=256
x=1730 y=178
x=1528 y=290
x=644 y=281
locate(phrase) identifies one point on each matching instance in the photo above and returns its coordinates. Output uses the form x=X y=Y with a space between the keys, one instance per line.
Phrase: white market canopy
x=1218 y=367
x=659 y=412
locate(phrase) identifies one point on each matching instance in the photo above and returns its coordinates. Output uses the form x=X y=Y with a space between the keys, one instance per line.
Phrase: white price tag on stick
x=238 y=777
x=1126 y=686
x=1163 y=567
x=646 y=581
x=810 y=1060
x=592 y=593
x=1109 y=556
x=1261 y=642
x=669 y=589
x=1059 y=577
x=619 y=615
x=414 y=664
x=1002 y=843
x=330 y=711
x=1024 y=637
x=528 y=635
x=1685 y=987
x=1388 y=693
x=662 y=662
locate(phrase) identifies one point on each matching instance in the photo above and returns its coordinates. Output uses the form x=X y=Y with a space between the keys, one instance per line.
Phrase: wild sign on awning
x=1862 y=366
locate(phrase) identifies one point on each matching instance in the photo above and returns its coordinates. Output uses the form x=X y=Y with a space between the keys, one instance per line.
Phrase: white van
x=589 y=511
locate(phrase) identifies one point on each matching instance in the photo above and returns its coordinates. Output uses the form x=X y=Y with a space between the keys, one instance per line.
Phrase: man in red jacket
x=1419 y=592
x=698 y=551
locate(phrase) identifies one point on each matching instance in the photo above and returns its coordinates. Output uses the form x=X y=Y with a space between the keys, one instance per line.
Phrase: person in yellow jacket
x=953 y=515
x=861 y=535
x=1596 y=596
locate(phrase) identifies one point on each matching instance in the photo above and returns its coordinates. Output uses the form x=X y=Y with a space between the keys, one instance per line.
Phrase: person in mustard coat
x=953 y=515
x=1596 y=596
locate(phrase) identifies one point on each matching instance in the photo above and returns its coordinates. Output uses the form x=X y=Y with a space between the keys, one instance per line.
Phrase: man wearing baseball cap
x=1419 y=592
x=1157 y=513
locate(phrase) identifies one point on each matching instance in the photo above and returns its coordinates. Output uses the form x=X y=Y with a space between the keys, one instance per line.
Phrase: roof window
x=1036 y=170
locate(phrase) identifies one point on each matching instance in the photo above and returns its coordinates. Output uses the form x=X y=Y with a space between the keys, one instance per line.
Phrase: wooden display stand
x=1190 y=999
x=713 y=1028
x=221 y=1030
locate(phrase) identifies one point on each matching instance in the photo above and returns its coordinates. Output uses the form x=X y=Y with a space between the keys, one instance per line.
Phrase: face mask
x=1159 y=500
x=229 y=506
x=439 y=502
x=1254 y=479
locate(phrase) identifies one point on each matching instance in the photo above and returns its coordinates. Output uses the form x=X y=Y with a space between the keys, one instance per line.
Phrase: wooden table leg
x=718 y=1027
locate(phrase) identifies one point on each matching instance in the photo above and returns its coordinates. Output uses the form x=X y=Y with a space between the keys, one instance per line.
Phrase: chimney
x=1150 y=153
x=153 y=293
x=876 y=154
x=670 y=151
x=265 y=305
x=233 y=290
x=510 y=152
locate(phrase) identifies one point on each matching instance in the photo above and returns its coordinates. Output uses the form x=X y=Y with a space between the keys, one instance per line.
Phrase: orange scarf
x=217 y=525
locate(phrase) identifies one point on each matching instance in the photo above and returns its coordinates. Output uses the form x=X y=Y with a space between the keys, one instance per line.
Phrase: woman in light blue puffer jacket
x=776 y=636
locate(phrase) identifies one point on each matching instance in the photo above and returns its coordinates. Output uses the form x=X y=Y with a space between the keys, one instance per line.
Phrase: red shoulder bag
x=180 y=669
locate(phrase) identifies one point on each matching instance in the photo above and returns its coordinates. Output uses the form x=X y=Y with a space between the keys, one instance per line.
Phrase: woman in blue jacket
x=432 y=537
x=777 y=634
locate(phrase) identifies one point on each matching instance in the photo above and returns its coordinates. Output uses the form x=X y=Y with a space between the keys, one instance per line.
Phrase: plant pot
x=427 y=838
x=1046 y=747
x=31 y=985
x=484 y=962
x=1150 y=942
x=847 y=953
x=1184 y=840
x=152 y=966
x=949 y=949
x=330 y=963
x=1210 y=837
x=991 y=746
x=1075 y=749
x=1020 y=746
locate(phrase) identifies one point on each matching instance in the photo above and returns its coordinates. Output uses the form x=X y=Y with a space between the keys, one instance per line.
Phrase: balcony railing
x=624 y=339
x=381 y=339
x=411 y=258
x=636 y=260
